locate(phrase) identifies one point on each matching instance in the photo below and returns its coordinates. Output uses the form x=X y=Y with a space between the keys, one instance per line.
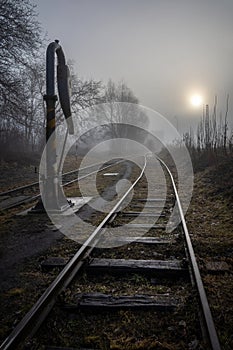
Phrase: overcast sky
x=165 y=50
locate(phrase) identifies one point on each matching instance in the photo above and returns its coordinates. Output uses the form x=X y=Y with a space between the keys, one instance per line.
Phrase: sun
x=196 y=100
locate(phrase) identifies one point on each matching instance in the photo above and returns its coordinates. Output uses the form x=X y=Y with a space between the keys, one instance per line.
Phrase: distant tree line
x=213 y=138
x=22 y=82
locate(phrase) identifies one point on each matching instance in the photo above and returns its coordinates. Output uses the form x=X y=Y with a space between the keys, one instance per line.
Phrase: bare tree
x=213 y=139
x=117 y=115
x=19 y=39
x=112 y=117
x=225 y=125
x=84 y=94
x=214 y=124
x=27 y=116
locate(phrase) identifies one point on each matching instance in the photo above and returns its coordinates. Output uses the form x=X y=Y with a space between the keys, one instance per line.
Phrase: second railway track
x=29 y=193
x=144 y=292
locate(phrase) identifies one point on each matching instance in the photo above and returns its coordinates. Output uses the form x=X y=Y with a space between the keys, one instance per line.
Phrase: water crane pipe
x=53 y=197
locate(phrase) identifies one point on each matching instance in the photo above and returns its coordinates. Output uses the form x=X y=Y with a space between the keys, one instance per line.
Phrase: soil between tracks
x=209 y=219
x=24 y=242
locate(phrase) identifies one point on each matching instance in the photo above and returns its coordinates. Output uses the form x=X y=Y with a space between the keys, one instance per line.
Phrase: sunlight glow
x=196 y=100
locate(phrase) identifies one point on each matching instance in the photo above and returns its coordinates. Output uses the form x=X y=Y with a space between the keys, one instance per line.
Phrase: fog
x=165 y=50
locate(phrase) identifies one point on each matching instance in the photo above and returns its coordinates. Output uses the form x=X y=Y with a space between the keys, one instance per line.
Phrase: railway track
x=26 y=194
x=143 y=292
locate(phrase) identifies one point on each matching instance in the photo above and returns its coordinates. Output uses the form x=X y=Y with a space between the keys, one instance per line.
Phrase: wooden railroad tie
x=161 y=268
x=107 y=302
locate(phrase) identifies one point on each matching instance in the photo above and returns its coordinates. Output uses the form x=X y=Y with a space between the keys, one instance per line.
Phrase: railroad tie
x=162 y=268
x=106 y=302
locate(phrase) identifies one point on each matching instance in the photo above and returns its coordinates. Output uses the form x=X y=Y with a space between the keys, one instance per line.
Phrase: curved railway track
x=158 y=262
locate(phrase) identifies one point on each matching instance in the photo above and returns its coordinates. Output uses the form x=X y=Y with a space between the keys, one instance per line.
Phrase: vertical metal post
x=50 y=99
x=52 y=191
x=53 y=196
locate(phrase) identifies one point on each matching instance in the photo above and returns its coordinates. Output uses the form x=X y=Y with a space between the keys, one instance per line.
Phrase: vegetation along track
x=144 y=292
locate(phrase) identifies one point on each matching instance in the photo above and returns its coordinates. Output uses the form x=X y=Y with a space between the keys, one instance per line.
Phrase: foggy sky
x=165 y=50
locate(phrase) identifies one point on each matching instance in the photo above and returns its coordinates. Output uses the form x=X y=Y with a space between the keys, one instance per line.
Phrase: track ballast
x=143 y=293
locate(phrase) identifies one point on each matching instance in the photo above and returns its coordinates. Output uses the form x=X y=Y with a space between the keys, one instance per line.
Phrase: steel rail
x=209 y=323
x=93 y=172
x=5 y=193
x=37 y=183
x=84 y=168
x=37 y=314
x=31 y=199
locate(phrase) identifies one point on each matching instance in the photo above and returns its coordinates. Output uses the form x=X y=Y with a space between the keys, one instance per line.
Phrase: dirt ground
x=210 y=222
x=25 y=242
